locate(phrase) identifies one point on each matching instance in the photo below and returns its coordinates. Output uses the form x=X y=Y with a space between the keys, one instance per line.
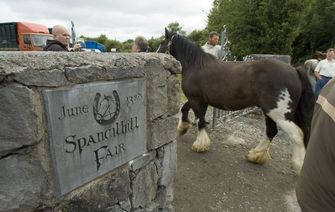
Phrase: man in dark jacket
x=61 y=40
x=316 y=183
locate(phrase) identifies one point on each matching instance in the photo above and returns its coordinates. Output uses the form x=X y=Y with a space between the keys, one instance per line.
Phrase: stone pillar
x=27 y=178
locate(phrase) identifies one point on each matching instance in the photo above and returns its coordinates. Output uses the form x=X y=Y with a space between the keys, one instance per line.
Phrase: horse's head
x=165 y=44
x=186 y=52
x=320 y=55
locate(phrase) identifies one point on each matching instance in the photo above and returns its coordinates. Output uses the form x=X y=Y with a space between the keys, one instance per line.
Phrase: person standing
x=61 y=40
x=140 y=44
x=324 y=71
x=211 y=46
x=316 y=183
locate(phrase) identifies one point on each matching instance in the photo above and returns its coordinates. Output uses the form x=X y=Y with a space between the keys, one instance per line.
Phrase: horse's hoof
x=181 y=132
x=199 y=149
x=202 y=142
x=259 y=157
x=183 y=127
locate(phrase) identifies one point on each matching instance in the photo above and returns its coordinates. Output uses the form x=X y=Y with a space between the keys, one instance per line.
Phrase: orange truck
x=23 y=36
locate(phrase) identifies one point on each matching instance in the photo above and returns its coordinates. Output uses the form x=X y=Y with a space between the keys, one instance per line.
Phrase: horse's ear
x=167 y=34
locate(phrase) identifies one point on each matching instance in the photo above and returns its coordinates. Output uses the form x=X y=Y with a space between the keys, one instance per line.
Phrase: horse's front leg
x=202 y=142
x=184 y=123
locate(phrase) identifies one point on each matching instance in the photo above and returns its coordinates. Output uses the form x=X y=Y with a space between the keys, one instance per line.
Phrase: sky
x=117 y=19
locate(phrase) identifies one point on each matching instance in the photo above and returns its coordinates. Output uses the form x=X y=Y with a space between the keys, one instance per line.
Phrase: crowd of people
x=61 y=39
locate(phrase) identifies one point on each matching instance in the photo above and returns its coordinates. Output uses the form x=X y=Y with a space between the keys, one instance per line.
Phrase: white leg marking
x=260 y=154
x=202 y=143
x=296 y=134
x=183 y=127
x=263 y=144
x=298 y=137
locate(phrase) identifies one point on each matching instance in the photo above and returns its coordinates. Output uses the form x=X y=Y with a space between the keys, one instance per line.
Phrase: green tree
x=316 y=31
x=154 y=43
x=113 y=44
x=175 y=27
x=198 y=36
x=258 y=26
x=102 y=39
x=127 y=45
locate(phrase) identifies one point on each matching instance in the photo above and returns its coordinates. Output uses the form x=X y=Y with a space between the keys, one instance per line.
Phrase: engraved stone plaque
x=94 y=128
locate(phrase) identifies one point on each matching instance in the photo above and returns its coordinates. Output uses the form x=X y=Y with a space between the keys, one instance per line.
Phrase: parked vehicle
x=95 y=46
x=23 y=36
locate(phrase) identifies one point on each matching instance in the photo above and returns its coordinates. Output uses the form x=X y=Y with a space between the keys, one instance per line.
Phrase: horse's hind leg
x=260 y=154
x=295 y=133
x=202 y=143
x=184 y=123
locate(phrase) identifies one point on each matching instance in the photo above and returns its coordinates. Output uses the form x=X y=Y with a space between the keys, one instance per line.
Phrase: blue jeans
x=320 y=83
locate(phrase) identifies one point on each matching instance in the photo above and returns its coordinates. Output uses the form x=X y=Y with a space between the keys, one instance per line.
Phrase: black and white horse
x=283 y=93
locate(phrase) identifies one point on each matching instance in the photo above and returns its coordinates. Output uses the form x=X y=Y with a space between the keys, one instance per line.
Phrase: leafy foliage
x=174 y=27
x=198 y=36
x=317 y=30
x=294 y=27
x=258 y=26
x=154 y=43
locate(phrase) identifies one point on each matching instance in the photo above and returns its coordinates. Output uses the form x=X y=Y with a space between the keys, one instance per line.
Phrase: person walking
x=324 y=71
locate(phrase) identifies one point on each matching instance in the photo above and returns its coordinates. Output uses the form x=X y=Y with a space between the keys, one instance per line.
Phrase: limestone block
x=120 y=207
x=169 y=164
x=17 y=118
x=142 y=160
x=170 y=63
x=22 y=182
x=144 y=186
x=48 y=78
x=173 y=95
x=156 y=90
x=93 y=72
x=102 y=194
x=17 y=62
x=162 y=131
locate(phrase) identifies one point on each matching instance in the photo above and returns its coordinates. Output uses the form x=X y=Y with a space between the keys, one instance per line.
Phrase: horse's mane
x=189 y=53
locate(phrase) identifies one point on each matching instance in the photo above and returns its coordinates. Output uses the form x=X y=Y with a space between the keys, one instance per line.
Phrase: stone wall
x=27 y=180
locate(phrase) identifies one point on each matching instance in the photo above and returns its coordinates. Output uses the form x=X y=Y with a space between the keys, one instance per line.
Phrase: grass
x=182 y=95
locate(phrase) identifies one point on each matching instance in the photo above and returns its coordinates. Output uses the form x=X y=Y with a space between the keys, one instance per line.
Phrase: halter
x=168 y=46
x=169 y=43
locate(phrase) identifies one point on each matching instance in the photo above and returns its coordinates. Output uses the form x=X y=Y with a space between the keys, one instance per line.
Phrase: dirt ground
x=221 y=180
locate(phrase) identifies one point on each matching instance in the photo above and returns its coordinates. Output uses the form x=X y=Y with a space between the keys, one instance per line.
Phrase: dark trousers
x=319 y=84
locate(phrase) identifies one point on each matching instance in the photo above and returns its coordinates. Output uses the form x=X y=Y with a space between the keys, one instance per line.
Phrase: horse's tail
x=304 y=112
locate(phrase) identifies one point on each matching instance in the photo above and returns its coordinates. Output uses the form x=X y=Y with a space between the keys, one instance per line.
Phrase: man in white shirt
x=324 y=71
x=211 y=46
